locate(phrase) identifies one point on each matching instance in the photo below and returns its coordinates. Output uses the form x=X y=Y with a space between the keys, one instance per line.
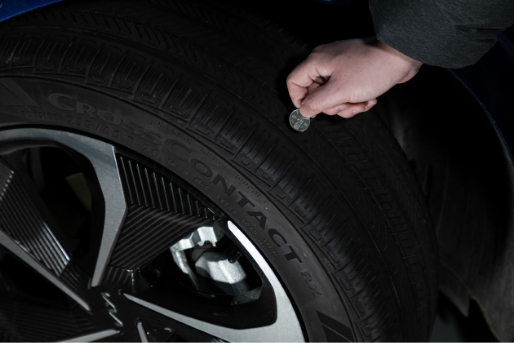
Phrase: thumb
x=322 y=98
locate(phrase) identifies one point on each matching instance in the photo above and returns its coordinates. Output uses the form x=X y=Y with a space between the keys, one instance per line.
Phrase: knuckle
x=290 y=80
x=319 y=48
x=314 y=58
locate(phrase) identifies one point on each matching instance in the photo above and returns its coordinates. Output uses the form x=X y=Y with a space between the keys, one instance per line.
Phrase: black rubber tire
x=200 y=89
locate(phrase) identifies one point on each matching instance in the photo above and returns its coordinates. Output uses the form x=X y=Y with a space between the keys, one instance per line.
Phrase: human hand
x=346 y=77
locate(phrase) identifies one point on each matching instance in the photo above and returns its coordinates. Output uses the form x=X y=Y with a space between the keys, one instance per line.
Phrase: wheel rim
x=114 y=295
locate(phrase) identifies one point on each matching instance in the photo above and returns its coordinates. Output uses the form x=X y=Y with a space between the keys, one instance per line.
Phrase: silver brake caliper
x=220 y=267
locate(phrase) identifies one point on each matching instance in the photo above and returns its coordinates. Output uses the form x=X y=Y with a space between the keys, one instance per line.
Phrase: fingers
x=297 y=83
x=321 y=99
x=354 y=109
x=313 y=86
x=348 y=110
x=327 y=99
x=313 y=95
x=297 y=93
x=303 y=79
x=346 y=77
x=336 y=109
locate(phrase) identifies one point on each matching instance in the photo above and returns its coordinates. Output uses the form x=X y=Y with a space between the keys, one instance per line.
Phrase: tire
x=193 y=92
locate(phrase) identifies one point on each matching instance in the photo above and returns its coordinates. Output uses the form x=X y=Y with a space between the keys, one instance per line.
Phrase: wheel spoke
x=94 y=336
x=22 y=319
x=142 y=333
x=25 y=256
x=160 y=213
x=102 y=158
x=24 y=219
x=25 y=233
x=285 y=328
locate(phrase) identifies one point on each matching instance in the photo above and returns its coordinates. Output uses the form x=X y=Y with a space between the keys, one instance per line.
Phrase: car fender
x=12 y=8
x=490 y=82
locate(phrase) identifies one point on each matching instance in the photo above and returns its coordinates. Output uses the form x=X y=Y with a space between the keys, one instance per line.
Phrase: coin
x=299 y=122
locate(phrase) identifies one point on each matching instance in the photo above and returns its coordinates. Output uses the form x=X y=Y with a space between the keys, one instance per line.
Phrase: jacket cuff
x=441 y=34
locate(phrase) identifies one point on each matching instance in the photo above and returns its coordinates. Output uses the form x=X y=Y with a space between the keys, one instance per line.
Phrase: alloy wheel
x=98 y=244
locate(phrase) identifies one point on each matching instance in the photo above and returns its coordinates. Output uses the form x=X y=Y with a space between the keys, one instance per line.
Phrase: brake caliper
x=201 y=257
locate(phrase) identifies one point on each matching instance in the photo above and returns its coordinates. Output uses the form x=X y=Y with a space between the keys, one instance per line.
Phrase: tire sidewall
x=55 y=104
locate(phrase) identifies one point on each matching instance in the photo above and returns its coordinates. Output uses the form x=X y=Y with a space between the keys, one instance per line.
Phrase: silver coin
x=299 y=122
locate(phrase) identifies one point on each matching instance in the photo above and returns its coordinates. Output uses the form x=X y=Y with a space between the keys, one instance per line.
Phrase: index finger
x=303 y=76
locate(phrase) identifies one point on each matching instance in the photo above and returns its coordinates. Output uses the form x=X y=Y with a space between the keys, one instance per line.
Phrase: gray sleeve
x=447 y=33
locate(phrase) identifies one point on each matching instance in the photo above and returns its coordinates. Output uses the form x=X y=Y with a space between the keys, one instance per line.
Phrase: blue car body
x=11 y=8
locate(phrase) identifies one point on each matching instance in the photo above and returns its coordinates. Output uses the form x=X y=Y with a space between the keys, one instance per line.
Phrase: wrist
x=401 y=56
x=409 y=65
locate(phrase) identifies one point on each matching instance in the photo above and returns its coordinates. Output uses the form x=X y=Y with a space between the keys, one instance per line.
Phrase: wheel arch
x=463 y=163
